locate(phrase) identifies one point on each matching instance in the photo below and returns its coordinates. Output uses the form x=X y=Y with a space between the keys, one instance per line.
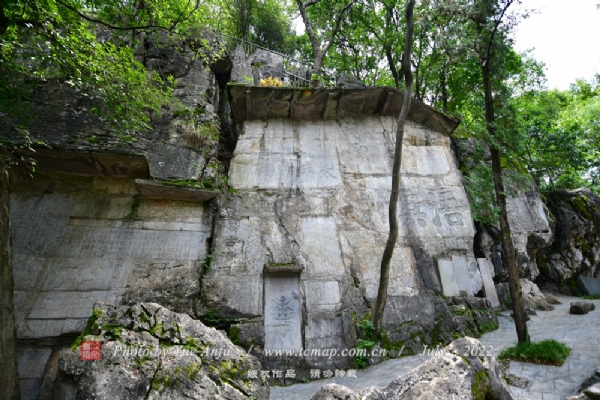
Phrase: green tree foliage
x=89 y=46
x=563 y=135
x=323 y=20
x=266 y=23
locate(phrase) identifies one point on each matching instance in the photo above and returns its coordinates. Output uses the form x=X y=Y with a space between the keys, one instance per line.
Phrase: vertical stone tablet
x=590 y=285
x=461 y=274
x=446 y=268
x=283 y=319
x=488 y=282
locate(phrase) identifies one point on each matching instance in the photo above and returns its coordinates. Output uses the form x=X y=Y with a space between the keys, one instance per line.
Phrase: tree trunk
x=390 y=59
x=507 y=244
x=384 y=278
x=9 y=388
x=316 y=71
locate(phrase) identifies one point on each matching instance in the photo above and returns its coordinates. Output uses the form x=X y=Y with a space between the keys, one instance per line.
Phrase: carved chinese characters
x=282 y=313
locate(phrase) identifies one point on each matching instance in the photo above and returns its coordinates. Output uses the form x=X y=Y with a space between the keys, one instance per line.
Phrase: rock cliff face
x=90 y=226
x=307 y=227
x=182 y=144
x=288 y=258
x=530 y=232
x=575 y=250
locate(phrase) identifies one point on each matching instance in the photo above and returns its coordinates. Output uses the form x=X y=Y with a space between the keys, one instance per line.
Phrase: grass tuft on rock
x=546 y=352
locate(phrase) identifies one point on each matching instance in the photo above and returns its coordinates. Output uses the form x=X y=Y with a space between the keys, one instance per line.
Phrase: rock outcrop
x=459 y=371
x=348 y=81
x=575 y=250
x=250 y=69
x=534 y=296
x=149 y=352
x=530 y=232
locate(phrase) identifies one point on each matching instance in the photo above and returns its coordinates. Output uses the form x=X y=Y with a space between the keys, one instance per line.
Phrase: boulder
x=580 y=396
x=335 y=392
x=551 y=299
x=593 y=392
x=534 y=295
x=452 y=373
x=149 y=352
x=348 y=81
x=581 y=308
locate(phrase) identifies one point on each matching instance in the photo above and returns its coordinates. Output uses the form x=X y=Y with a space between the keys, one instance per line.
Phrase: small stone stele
x=581 y=308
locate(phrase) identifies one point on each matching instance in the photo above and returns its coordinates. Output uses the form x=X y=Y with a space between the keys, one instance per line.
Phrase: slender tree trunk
x=507 y=244
x=9 y=387
x=384 y=278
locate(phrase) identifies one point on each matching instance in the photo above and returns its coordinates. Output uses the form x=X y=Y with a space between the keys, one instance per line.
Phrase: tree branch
x=129 y=28
x=497 y=24
x=311 y=2
x=337 y=25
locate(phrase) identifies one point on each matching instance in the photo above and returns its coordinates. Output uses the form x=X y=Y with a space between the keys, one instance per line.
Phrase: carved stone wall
x=314 y=195
x=77 y=240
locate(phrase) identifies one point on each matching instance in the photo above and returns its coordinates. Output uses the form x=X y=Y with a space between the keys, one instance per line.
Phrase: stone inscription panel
x=590 y=285
x=446 y=269
x=461 y=274
x=64 y=264
x=283 y=319
x=488 y=282
x=437 y=211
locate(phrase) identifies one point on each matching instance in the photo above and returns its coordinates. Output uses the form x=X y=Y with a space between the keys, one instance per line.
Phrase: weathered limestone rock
x=551 y=299
x=581 y=396
x=593 y=392
x=575 y=250
x=265 y=64
x=334 y=391
x=149 y=352
x=527 y=218
x=453 y=373
x=534 y=296
x=241 y=69
x=169 y=150
x=581 y=308
x=530 y=232
x=348 y=81
x=589 y=389
x=250 y=69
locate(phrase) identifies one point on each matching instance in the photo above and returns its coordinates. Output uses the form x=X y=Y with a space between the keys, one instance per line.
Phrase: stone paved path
x=580 y=332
